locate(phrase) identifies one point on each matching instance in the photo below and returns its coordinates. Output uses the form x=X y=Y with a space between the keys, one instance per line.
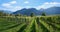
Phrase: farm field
x=30 y=24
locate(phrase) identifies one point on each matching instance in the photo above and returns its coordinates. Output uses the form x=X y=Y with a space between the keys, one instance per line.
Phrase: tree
x=32 y=14
x=16 y=15
x=43 y=14
x=2 y=13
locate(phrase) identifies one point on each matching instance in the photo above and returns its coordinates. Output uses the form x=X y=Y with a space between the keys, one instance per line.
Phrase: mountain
x=5 y=11
x=48 y=11
x=52 y=11
x=28 y=11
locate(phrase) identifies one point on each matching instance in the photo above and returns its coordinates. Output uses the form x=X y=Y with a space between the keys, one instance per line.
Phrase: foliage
x=32 y=14
x=43 y=14
x=30 y=24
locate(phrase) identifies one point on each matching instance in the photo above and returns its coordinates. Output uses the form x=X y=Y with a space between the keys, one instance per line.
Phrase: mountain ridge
x=24 y=11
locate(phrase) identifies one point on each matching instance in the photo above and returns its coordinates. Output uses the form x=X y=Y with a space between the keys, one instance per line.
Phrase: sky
x=14 y=5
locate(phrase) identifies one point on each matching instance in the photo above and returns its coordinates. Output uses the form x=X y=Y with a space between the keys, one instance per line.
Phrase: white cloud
x=13 y=8
x=27 y=7
x=26 y=2
x=6 y=5
x=13 y=2
x=48 y=4
x=51 y=3
x=16 y=8
x=9 y=6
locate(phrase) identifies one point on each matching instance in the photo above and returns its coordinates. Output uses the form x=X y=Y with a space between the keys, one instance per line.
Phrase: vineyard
x=30 y=24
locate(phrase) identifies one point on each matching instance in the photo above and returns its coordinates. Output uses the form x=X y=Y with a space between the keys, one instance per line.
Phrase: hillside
x=48 y=11
x=52 y=11
x=28 y=11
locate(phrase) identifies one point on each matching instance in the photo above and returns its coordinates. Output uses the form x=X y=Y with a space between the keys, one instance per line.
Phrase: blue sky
x=13 y=5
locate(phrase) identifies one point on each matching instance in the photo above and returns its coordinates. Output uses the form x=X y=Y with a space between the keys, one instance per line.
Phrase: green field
x=30 y=24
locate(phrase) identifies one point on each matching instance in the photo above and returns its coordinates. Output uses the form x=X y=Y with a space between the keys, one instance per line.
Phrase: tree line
x=32 y=14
